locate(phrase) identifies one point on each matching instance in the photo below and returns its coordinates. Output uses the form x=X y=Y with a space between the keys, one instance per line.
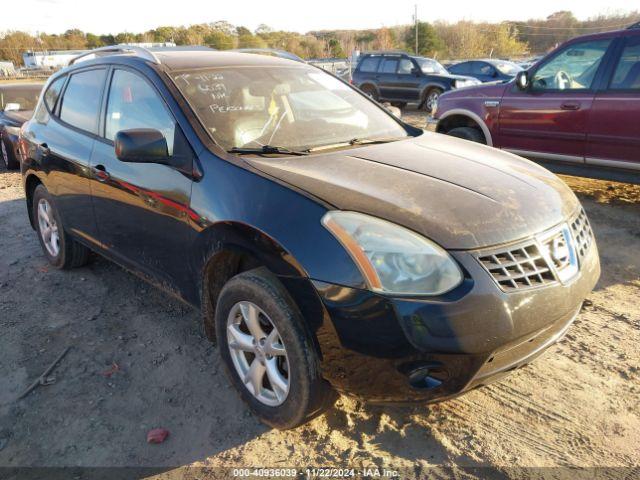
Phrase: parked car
x=401 y=78
x=489 y=70
x=576 y=110
x=330 y=246
x=17 y=101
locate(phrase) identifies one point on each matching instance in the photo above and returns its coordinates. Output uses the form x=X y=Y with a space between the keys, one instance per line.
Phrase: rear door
x=549 y=120
x=64 y=134
x=387 y=78
x=614 y=123
x=142 y=209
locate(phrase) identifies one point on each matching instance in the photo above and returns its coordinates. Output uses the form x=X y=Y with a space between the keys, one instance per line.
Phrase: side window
x=482 y=68
x=81 y=100
x=572 y=69
x=133 y=103
x=460 y=68
x=369 y=64
x=627 y=74
x=389 y=65
x=53 y=92
x=405 y=67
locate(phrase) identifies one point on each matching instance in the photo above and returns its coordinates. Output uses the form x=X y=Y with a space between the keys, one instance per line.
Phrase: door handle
x=570 y=106
x=101 y=173
x=44 y=149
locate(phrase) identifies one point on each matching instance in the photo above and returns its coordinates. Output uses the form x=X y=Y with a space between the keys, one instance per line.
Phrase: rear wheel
x=467 y=133
x=371 y=91
x=8 y=157
x=61 y=250
x=267 y=351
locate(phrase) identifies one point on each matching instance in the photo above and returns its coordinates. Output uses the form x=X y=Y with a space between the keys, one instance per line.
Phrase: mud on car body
x=331 y=247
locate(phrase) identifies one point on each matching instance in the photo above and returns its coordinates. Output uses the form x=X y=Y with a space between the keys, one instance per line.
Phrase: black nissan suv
x=329 y=246
x=400 y=78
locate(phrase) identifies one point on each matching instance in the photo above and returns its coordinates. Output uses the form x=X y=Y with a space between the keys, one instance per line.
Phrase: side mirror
x=416 y=71
x=522 y=80
x=141 y=145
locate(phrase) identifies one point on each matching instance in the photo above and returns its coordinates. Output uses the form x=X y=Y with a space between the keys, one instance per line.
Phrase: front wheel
x=467 y=133
x=431 y=101
x=267 y=351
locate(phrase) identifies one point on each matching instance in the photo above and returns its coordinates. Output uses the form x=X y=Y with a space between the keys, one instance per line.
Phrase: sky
x=114 y=16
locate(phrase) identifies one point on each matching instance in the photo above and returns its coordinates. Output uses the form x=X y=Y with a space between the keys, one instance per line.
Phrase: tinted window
x=573 y=69
x=134 y=103
x=389 y=65
x=81 y=100
x=369 y=64
x=460 y=69
x=405 y=66
x=481 y=68
x=53 y=92
x=627 y=74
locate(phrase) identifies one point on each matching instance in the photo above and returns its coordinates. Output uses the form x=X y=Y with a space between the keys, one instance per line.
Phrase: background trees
x=463 y=39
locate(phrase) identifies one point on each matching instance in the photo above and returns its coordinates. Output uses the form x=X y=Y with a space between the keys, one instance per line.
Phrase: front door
x=613 y=137
x=408 y=81
x=549 y=120
x=142 y=209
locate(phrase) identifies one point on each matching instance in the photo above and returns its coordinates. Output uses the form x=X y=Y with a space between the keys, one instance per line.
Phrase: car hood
x=16 y=118
x=462 y=195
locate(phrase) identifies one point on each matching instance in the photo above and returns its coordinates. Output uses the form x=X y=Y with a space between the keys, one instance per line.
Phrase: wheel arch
x=226 y=249
x=463 y=118
x=30 y=184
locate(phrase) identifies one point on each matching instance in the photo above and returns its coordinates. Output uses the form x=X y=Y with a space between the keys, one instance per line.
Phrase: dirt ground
x=577 y=405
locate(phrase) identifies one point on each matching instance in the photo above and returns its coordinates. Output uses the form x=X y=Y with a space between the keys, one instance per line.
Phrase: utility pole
x=415 y=18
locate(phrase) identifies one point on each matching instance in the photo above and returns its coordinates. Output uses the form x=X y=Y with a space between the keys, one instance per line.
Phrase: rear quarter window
x=53 y=92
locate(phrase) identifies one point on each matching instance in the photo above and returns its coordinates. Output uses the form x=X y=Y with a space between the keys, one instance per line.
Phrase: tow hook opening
x=426 y=375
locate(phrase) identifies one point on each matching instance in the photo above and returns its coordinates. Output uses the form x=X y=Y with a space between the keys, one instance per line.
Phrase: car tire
x=8 y=157
x=467 y=133
x=62 y=251
x=431 y=99
x=286 y=369
x=371 y=92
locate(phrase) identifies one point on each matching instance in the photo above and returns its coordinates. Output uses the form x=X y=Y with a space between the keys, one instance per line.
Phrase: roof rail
x=120 y=49
x=635 y=26
x=380 y=52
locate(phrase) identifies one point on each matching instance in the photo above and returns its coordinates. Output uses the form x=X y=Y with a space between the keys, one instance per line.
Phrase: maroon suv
x=577 y=110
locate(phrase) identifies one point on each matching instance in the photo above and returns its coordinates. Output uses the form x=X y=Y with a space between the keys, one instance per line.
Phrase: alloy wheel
x=432 y=101
x=258 y=353
x=48 y=228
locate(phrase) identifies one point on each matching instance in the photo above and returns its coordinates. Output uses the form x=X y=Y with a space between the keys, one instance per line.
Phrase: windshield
x=296 y=108
x=21 y=97
x=429 y=66
x=508 y=68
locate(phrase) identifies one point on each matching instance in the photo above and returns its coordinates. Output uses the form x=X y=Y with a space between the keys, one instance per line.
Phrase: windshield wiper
x=357 y=141
x=266 y=150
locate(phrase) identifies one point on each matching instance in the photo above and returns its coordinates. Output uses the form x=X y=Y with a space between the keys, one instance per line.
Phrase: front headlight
x=391 y=258
x=466 y=83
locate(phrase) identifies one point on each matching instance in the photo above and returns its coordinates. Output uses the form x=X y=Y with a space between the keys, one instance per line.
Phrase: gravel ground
x=139 y=360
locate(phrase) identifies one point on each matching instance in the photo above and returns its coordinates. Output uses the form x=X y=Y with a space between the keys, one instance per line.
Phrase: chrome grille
x=518 y=267
x=582 y=234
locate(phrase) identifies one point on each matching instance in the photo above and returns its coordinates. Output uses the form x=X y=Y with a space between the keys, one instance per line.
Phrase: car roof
x=182 y=58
